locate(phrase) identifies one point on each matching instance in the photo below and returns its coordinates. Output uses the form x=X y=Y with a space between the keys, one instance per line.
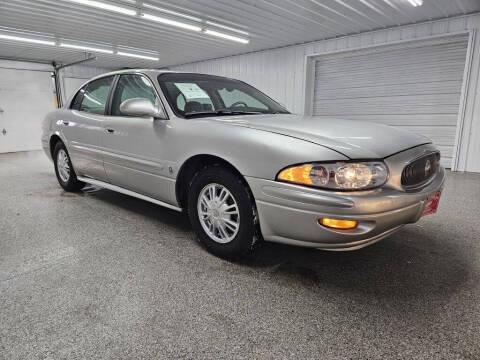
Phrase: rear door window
x=95 y=96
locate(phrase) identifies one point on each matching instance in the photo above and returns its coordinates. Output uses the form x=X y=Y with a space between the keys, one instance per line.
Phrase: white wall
x=280 y=72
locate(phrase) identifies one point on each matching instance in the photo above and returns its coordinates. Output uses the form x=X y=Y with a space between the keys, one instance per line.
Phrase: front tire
x=64 y=170
x=221 y=212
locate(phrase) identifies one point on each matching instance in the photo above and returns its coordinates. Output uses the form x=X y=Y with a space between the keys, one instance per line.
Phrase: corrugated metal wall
x=280 y=72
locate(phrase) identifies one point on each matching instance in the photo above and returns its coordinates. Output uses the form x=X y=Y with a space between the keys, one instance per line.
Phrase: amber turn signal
x=338 y=223
x=298 y=174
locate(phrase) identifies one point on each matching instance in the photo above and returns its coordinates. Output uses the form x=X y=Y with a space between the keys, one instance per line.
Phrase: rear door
x=134 y=147
x=83 y=127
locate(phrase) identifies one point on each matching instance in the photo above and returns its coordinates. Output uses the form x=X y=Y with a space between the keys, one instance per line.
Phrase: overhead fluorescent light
x=171 y=12
x=24 y=39
x=226 y=36
x=105 y=6
x=416 y=3
x=226 y=27
x=171 y=22
x=138 y=56
x=87 y=48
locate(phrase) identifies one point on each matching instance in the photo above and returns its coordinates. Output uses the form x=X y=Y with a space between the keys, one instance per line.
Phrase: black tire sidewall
x=243 y=241
x=73 y=184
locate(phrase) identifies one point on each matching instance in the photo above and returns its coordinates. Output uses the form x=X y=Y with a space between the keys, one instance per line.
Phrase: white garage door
x=26 y=96
x=415 y=86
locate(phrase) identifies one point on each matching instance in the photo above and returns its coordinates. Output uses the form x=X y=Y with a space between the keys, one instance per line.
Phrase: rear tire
x=64 y=170
x=221 y=212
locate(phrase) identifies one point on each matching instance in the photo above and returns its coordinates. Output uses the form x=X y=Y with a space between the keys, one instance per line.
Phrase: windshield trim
x=192 y=76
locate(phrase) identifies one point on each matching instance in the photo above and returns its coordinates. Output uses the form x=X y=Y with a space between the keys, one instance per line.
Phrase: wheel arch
x=193 y=165
x=54 y=139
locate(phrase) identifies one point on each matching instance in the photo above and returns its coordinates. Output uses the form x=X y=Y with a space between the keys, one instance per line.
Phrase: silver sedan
x=241 y=166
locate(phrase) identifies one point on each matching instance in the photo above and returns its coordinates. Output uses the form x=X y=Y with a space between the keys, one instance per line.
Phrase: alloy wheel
x=218 y=213
x=63 y=165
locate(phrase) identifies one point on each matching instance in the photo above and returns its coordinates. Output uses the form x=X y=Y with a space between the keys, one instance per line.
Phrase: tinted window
x=77 y=100
x=130 y=87
x=95 y=96
x=192 y=95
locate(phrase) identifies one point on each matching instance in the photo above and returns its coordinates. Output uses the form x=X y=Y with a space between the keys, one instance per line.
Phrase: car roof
x=152 y=73
x=129 y=71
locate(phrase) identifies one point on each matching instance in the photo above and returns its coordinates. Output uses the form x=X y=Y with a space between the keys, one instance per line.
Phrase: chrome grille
x=419 y=171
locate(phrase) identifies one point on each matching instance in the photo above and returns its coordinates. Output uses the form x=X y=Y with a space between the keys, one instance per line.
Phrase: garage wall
x=281 y=72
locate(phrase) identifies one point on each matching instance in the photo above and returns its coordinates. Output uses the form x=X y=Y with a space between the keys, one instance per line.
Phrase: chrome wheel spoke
x=230 y=209
x=211 y=192
x=223 y=232
x=204 y=214
x=231 y=225
x=205 y=202
x=218 y=213
x=223 y=195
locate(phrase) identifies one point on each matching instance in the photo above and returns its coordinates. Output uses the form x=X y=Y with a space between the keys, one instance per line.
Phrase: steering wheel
x=235 y=104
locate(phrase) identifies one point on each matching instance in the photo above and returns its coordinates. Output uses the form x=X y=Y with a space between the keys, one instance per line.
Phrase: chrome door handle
x=109 y=131
x=65 y=122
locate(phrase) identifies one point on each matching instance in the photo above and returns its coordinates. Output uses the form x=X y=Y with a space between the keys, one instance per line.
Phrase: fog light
x=338 y=223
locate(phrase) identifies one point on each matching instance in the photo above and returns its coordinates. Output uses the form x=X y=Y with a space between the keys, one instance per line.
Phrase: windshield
x=196 y=95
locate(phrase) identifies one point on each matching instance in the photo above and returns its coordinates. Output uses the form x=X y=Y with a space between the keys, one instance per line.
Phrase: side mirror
x=141 y=107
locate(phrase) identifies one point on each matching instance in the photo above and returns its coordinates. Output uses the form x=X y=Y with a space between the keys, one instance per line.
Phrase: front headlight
x=337 y=176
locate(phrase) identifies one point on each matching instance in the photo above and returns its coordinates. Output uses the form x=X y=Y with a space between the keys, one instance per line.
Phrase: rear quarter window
x=92 y=98
x=77 y=100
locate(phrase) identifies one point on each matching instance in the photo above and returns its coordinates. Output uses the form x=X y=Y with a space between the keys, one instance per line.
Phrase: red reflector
x=432 y=204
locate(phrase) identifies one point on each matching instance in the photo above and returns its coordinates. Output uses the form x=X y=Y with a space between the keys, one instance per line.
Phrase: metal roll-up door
x=415 y=86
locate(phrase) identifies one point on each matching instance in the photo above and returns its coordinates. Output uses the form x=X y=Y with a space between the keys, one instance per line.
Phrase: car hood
x=352 y=138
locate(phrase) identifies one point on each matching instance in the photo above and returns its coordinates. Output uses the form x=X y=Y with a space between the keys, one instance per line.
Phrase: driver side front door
x=134 y=147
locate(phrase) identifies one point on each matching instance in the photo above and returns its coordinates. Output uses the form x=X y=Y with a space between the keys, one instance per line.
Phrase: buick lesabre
x=242 y=166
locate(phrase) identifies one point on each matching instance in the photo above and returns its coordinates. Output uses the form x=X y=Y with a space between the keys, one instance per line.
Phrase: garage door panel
x=331 y=109
x=378 y=90
x=384 y=78
x=446 y=158
x=26 y=96
x=387 y=58
x=390 y=67
x=441 y=136
x=399 y=100
x=416 y=87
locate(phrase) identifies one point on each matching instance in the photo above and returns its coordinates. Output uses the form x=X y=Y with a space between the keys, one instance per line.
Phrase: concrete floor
x=99 y=275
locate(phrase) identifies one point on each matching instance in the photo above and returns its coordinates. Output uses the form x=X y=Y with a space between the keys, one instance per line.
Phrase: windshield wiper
x=220 y=112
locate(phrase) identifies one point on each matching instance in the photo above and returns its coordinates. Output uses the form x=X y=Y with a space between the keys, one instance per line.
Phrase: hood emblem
x=428 y=165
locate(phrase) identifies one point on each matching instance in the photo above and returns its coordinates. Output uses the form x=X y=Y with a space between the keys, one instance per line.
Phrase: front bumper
x=289 y=213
